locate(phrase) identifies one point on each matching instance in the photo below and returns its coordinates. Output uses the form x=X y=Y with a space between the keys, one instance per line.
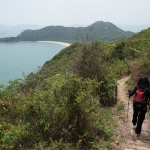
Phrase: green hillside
x=100 y=30
x=68 y=103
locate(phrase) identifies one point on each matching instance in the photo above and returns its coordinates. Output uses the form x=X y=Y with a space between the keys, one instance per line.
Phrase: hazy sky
x=69 y=12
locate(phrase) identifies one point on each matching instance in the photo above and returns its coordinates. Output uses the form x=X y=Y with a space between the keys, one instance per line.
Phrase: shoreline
x=55 y=42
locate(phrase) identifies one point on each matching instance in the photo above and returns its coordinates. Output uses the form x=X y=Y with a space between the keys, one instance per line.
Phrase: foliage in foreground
x=60 y=107
x=68 y=110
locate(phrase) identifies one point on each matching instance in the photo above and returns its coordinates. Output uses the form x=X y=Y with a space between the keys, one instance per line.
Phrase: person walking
x=140 y=102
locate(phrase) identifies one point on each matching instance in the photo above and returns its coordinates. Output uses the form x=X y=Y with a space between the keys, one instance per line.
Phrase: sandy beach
x=61 y=43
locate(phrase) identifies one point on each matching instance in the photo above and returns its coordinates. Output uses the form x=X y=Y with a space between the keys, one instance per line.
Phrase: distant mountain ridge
x=99 y=30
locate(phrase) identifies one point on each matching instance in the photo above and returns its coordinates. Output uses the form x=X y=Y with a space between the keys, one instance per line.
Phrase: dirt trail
x=125 y=138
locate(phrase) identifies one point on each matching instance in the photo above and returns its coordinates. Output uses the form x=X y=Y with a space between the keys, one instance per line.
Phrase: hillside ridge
x=99 y=30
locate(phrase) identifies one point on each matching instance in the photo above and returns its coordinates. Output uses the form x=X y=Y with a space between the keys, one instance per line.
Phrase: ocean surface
x=16 y=58
x=8 y=31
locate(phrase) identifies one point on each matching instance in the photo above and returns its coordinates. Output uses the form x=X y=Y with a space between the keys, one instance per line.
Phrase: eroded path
x=125 y=139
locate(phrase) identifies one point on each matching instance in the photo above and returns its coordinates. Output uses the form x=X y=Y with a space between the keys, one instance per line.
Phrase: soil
x=125 y=137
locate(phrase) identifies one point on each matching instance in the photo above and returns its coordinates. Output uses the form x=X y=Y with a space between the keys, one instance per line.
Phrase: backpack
x=140 y=96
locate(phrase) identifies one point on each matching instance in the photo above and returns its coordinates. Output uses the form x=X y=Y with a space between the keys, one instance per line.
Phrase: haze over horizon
x=126 y=14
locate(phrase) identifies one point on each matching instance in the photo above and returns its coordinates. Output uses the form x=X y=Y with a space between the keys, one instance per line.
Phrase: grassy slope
x=59 y=101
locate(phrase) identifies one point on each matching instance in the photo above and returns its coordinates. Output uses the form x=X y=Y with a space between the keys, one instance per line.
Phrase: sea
x=21 y=58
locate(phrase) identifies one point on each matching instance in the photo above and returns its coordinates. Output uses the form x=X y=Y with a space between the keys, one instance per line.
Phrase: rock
x=117 y=142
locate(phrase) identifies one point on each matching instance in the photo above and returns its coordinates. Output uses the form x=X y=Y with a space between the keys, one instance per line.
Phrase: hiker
x=141 y=99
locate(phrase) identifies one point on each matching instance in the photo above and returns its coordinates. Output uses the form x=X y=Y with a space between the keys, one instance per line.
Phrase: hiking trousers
x=138 y=117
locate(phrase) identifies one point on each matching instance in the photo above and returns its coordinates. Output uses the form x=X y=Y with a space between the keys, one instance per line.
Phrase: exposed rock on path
x=125 y=138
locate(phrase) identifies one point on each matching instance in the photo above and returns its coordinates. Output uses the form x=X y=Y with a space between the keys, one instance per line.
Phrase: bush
x=66 y=110
x=120 y=106
x=93 y=64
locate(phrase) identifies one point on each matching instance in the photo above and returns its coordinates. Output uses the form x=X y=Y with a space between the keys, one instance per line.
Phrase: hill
x=99 y=30
x=61 y=105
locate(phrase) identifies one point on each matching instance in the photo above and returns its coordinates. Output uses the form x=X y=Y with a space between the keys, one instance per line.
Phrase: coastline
x=55 y=42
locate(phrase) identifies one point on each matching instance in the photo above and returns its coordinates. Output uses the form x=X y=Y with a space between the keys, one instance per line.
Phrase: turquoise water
x=16 y=58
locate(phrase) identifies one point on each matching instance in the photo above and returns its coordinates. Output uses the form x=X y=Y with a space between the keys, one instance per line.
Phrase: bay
x=16 y=58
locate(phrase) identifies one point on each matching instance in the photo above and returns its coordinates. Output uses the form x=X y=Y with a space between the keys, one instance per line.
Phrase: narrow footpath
x=125 y=138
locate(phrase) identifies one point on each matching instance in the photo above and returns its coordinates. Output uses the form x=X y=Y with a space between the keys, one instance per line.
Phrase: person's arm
x=148 y=100
x=132 y=92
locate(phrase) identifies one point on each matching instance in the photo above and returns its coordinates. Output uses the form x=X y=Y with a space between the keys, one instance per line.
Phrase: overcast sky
x=69 y=12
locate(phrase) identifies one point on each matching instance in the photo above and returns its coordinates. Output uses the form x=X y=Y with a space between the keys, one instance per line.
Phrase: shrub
x=93 y=65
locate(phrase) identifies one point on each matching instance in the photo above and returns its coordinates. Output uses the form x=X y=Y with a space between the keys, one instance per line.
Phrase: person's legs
x=141 y=118
x=135 y=115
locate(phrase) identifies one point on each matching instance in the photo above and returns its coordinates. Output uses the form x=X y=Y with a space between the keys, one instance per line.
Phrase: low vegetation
x=67 y=103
